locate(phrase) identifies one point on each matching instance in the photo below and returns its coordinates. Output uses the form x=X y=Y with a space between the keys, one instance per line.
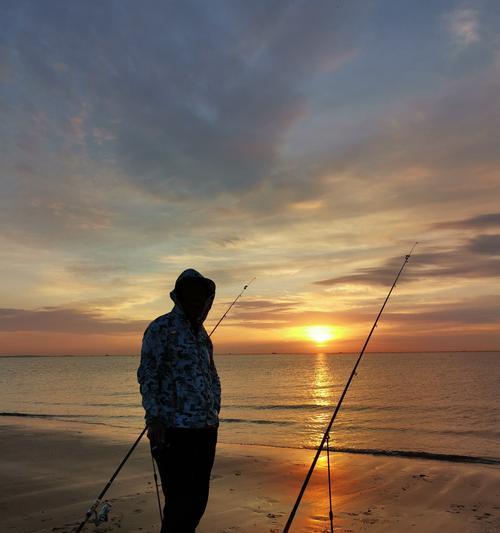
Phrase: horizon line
x=261 y=353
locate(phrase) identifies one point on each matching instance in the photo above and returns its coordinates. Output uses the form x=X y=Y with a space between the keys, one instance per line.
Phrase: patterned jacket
x=178 y=379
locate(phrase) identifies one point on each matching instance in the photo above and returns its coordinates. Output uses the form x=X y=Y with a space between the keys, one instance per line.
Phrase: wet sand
x=51 y=471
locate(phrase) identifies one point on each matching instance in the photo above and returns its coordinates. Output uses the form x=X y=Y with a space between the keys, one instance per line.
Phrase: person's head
x=195 y=295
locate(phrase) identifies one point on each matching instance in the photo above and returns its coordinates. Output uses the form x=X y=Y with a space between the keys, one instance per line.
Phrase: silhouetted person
x=181 y=395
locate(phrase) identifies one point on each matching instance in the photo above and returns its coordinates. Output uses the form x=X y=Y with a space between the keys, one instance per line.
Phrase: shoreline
x=407 y=454
x=51 y=473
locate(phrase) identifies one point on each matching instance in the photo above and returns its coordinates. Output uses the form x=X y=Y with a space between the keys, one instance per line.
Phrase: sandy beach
x=51 y=471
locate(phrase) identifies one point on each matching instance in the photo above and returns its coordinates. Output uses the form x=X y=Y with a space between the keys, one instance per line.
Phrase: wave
x=430 y=456
x=307 y=406
x=41 y=415
x=69 y=418
x=286 y=407
x=415 y=455
x=250 y=421
x=310 y=407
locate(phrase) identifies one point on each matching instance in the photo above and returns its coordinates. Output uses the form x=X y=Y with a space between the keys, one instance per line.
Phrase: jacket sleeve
x=155 y=377
x=217 y=388
x=215 y=378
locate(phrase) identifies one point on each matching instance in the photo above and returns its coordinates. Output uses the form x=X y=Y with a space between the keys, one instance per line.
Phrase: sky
x=307 y=144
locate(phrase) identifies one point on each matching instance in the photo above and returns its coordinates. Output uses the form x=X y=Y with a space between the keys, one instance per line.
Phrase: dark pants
x=184 y=465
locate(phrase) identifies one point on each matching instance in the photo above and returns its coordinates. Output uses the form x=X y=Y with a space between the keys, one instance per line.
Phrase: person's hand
x=156 y=434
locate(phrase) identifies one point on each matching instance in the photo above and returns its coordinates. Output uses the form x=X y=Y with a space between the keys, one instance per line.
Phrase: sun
x=320 y=334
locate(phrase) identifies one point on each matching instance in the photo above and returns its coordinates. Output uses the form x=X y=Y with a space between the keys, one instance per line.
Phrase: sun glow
x=320 y=334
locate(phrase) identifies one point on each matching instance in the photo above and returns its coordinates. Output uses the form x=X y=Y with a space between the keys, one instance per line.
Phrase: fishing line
x=156 y=485
x=330 y=512
x=337 y=408
x=105 y=508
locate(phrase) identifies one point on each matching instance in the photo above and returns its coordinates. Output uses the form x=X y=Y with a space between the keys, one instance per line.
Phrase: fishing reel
x=102 y=515
x=98 y=516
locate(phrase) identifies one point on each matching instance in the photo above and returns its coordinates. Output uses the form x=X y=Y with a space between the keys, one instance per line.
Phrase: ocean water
x=440 y=405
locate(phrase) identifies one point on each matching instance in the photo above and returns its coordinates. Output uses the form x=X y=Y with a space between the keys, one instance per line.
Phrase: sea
x=442 y=406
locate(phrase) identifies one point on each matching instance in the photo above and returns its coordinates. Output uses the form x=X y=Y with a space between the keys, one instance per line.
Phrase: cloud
x=472 y=260
x=137 y=123
x=65 y=320
x=489 y=220
x=269 y=305
x=198 y=123
x=486 y=244
x=463 y=25
x=189 y=98
x=478 y=311
x=426 y=152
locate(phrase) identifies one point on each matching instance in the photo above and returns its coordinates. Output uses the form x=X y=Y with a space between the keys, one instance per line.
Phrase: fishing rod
x=102 y=516
x=326 y=434
x=229 y=308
